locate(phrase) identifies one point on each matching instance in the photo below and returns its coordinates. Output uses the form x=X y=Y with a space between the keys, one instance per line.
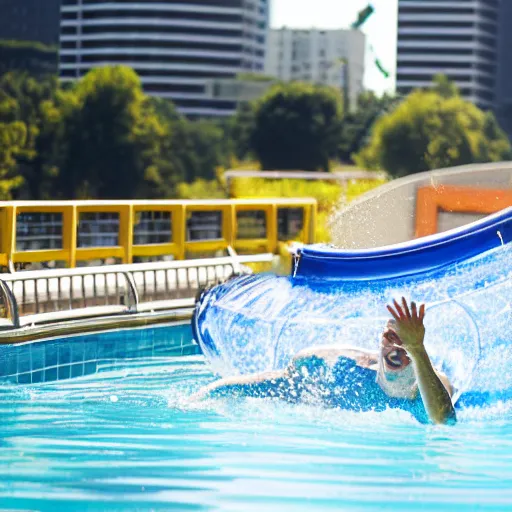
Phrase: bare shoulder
x=331 y=353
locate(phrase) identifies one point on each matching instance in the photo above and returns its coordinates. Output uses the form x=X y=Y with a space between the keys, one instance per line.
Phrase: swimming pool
x=121 y=436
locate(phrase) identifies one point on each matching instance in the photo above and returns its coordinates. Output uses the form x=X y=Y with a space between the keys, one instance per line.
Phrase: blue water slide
x=259 y=322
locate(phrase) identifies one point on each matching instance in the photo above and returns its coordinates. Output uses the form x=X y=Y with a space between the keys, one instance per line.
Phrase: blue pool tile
x=190 y=350
x=78 y=355
x=64 y=372
x=24 y=378
x=162 y=350
x=64 y=353
x=146 y=344
x=77 y=370
x=50 y=374
x=38 y=376
x=90 y=350
x=24 y=364
x=38 y=356
x=11 y=364
x=52 y=354
x=3 y=365
x=106 y=350
x=90 y=368
x=123 y=349
x=77 y=351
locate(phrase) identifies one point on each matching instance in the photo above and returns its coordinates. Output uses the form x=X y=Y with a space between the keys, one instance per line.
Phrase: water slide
x=464 y=275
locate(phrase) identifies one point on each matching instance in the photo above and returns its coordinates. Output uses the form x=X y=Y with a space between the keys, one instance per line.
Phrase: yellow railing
x=69 y=231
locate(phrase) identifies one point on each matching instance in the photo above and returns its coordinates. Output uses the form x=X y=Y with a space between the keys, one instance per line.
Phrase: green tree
x=13 y=136
x=195 y=148
x=357 y=125
x=12 y=139
x=433 y=129
x=494 y=145
x=297 y=127
x=36 y=58
x=444 y=86
x=35 y=108
x=199 y=148
x=239 y=129
x=113 y=141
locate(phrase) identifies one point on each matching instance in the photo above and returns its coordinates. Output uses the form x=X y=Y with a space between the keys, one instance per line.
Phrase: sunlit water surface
x=127 y=439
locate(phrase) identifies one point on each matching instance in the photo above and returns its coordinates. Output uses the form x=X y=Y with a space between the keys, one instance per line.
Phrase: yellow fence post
x=126 y=227
x=69 y=235
x=10 y=236
x=272 y=229
x=179 y=230
x=306 y=227
x=179 y=246
x=230 y=225
x=312 y=223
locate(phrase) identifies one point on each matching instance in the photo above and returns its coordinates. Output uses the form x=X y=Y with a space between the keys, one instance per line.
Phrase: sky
x=380 y=29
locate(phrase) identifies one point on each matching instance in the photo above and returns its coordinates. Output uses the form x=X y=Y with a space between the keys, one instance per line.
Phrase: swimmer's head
x=395 y=374
x=394 y=357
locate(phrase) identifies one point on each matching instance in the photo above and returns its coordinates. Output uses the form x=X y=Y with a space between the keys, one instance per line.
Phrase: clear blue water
x=126 y=438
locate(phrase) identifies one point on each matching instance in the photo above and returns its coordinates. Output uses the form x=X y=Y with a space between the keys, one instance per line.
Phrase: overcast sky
x=380 y=29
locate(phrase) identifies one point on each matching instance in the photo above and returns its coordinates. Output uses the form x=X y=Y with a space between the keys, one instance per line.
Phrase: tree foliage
x=433 y=129
x=197 y=148
x=12 y=140
x=297 y=127
x=356 y=126
x=33 y=99
x=102 y=137
x=113 y=138
x=31 y=56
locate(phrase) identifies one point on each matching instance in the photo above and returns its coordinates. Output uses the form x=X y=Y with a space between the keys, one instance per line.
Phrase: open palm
x=409 y=324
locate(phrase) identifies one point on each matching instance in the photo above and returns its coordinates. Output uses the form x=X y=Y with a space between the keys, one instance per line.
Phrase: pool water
x=126 y=438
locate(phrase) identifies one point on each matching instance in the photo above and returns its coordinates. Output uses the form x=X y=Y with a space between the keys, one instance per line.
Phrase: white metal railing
x=51 y=295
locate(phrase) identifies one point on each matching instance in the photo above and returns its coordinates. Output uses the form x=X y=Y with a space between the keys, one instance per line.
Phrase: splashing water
x=68 y=446
x=259 y=324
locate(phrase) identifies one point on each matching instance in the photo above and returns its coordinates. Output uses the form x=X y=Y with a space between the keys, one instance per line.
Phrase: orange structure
x=431 y=200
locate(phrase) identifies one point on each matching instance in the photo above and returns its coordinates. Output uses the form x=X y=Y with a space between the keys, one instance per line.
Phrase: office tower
x=504 y=68
x=176 y=47
x=458 y=38
x=30 y=20
x=328 y=57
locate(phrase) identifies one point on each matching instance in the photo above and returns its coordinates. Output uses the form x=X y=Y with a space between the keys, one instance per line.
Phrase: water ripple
x=127 y=439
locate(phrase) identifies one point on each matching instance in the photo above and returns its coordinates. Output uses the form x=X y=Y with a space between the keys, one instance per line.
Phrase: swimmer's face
x=395 y=358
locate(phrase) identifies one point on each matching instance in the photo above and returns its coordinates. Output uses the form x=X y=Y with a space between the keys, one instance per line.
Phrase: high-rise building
x=504 y=68
x=328 y=57
x=30 y=20
x=176 y=46
x=457 y=38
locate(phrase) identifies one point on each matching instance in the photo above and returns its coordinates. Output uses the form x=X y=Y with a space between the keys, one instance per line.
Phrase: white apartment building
x=328 y=57
x=458 y=38
x=176 y=46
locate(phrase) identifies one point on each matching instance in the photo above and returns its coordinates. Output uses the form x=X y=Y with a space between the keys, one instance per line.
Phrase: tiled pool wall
x=76 y=356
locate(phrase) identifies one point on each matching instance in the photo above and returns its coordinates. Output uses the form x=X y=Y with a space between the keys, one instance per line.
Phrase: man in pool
x=400 y=375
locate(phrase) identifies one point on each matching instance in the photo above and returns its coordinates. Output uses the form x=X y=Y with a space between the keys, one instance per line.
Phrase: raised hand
x=409 y=325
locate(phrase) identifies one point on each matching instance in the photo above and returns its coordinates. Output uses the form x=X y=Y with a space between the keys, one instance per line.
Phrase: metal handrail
x=7 y=282
x=30 y=275
x=132 y=289
x=11 y=304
